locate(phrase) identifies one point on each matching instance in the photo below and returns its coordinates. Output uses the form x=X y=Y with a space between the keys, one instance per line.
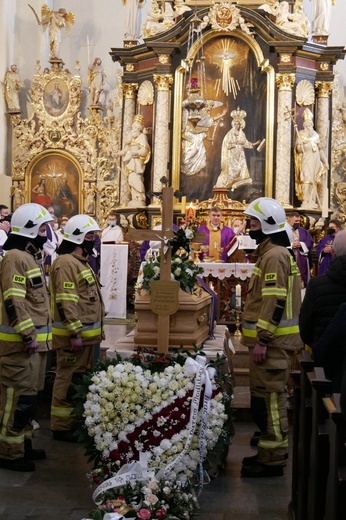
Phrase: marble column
x=284 y=83
x=161 y=143
x=322 y=125
x=129 y=110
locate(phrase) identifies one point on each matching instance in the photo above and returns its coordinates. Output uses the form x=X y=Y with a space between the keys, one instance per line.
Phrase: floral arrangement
x=183 y=270
x=155 y=413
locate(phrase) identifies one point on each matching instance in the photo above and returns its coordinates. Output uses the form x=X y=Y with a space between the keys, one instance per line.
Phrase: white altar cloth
x=113 y=278
x=224 y=270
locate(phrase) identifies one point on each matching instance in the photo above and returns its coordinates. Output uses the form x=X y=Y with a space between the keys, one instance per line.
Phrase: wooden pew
x=336 y=485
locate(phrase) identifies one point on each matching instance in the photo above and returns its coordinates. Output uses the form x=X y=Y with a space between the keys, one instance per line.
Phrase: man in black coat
x=324 y=295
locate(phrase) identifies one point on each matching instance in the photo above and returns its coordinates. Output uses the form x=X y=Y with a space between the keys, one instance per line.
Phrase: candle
x=325 y=203
x=183 y=205
x=238 y=295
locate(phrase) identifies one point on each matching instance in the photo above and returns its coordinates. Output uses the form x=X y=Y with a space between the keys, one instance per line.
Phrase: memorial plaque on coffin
x=188 y=326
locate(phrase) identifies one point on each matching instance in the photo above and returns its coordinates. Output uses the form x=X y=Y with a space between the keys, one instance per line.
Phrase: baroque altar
x=206 y=74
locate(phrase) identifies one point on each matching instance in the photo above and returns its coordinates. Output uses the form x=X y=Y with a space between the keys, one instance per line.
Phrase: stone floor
x=59 y=489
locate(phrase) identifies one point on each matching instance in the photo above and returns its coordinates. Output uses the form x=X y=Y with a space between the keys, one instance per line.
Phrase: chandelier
x=195 y=82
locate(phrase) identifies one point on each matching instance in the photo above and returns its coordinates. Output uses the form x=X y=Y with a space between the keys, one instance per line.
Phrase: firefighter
x=78 y=313
x=270 y=330
x=25 y=335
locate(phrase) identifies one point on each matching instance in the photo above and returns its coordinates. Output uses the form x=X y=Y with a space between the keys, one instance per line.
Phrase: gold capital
x=163 y=81
x=285 y=81
x=324 y=88
x=129 y=90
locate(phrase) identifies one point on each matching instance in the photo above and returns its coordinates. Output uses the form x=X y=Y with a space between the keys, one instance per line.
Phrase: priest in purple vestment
x=217 y=235
x=324 y=249
x=302 y=246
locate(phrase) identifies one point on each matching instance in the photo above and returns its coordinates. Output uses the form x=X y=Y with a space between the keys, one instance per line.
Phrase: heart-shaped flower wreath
x=174 y=417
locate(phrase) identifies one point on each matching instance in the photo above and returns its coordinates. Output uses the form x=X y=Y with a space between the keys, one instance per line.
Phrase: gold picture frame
x=55 y=179
x=249 y=67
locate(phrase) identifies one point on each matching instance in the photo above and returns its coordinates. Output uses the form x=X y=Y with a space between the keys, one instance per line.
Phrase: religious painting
x=55 y=179
x=225 y=146
x=56 y=97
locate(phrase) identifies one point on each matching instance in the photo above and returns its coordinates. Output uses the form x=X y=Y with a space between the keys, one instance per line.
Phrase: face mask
x=88 y=246
x=39 y=241
x=330 y=231
x=55 y=226
x=295 y=226
x=236 y=230
x=111 y=223
x=257 y=235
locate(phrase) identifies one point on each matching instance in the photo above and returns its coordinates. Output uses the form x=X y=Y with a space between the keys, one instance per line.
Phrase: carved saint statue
x=136 y=153
x=12 y=84
x=56 y=21
x=310 y=164
x=133 y=18
x=322 y=10
x=17 y=193
x=234 y=170
x=96 y=81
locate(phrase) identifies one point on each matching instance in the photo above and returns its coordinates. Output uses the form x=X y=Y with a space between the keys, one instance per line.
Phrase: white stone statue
x=322 y=10
x=310 y=164
x=11 y=85
x=133 y=18
x=159 y=20
x=96 y=81
x=56 y=21
x=234 y=170
x=17 y=193
x=136 y=153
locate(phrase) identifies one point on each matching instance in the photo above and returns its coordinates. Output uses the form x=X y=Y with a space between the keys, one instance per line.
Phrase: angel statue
x=56 y=21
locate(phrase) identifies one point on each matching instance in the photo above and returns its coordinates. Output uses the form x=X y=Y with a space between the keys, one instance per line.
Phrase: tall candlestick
x=183 y=205
x=238 y=296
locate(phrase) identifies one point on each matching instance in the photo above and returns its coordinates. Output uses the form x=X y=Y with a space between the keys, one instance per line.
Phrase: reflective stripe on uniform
x=88 y=331
x=8 y=334
x=280 y=292
x=14 y=291
x=61 y=412
x=33 y=273
x=279 y=441
x=23 y=325
x=67 y=297
x=256 y=271
x=85 y=274
x=9 y=439
x=60 y=329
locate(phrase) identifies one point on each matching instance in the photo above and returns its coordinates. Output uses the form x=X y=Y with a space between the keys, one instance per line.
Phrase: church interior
x=153 y=114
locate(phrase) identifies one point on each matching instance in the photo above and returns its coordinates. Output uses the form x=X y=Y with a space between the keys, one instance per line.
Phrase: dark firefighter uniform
x=78 y=311
x=270 y=318
x=25 y=317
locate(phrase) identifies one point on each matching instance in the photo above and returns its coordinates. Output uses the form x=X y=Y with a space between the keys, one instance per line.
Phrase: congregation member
x=324 y=296
x=270 y=330
x=217 y=236
x=113 y=232
x=324 y=247
x=60 y=230
x=78 y=313
x=25 y=335
x=302 y=244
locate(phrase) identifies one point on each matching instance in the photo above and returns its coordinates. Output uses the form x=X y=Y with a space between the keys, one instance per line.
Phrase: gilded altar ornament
x=324 y=66
x=145 y=93
x=227 y=17
x=129 y=67
x=11 y=85
x=285 y=58
x=305 y=93
x=296 y=23
x=55 y=21
x=324 y=89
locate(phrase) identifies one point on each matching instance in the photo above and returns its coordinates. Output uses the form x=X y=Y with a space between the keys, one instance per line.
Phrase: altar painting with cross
x=235 y=87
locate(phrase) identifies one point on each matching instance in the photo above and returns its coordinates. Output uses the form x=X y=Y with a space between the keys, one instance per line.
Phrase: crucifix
x=164 y=300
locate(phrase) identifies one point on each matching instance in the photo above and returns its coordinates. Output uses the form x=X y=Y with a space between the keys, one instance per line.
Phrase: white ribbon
x=203 y=376
x=133 y=471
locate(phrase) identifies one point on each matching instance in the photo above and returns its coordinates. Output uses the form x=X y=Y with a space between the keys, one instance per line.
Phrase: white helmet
x=28 y=218
x=77 y=227
x=269 y=212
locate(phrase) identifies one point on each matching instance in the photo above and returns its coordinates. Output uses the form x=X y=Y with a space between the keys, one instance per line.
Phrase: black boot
x=258 y=470
x=31 y=453
x=21 y=464
x=248 y=461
